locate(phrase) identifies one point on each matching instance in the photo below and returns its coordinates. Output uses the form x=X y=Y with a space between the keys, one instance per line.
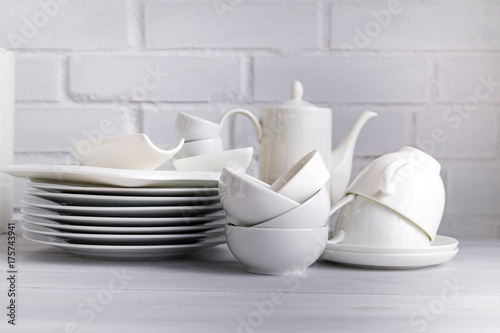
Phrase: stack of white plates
x=95 y=212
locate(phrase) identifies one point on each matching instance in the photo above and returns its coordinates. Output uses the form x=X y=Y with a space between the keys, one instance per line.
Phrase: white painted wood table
x=212 y=292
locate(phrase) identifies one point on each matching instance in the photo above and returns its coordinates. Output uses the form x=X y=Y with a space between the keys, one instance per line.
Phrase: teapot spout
x=341 y=158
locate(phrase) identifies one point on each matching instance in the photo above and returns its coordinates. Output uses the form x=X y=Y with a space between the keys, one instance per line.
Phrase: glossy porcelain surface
x=276 y=251
x=303 y=179
x=135 y=152
x=313 y=213
x=296 y=127
x=192 y=128
x=71 y=174
x=367 y=223
x=408 y=182
x=236 y=159
x=248 y=201
x=201 y=147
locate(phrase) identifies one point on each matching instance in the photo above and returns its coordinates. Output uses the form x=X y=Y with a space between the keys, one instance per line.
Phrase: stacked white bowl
x=281 y=228
x=203 y=149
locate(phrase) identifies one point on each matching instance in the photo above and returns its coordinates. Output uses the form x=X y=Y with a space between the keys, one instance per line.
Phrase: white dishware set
x=116 y=205
x=391 y=215
x=123 y=223
x=280 y=228
x=203 y=149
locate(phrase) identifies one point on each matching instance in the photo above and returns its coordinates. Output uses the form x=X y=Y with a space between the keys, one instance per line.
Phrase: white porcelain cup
x=201 y=147
x=409 y=183
x=367 y=223
x=192 y=128
x=303 y=179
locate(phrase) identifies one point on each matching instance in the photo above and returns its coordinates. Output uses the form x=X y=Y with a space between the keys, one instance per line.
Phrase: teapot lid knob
x=297 y=90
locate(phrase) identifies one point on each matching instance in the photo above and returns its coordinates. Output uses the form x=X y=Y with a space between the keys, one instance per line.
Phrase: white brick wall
x=430 y=68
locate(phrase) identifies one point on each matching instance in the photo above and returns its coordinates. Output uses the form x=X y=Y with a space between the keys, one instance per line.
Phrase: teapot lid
x=297 y=92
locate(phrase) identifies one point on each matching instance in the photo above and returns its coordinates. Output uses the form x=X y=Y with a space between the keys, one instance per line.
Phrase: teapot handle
x=249 y=115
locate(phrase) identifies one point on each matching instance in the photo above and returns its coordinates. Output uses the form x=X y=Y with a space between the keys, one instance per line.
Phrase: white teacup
x=368 y=223
x=192 y=128
x=409 y=183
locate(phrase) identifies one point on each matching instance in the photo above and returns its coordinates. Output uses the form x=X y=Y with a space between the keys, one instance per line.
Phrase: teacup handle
x=386 y=182
x=249 y=115
x=339 y=237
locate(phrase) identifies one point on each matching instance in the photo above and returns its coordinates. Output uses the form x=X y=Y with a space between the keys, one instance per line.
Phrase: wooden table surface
x=212 y=292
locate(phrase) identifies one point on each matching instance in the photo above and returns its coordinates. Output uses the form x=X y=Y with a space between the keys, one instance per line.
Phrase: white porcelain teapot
x=294 y=128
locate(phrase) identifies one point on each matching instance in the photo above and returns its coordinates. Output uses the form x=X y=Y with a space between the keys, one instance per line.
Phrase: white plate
x=440 y=244
x=120 y=221
x=143 y=211
x=108 y=176
x=388 y=261
x=116 y=200
x=123 y=252
x=123 y=230
x=123 y=191
x=123 y=239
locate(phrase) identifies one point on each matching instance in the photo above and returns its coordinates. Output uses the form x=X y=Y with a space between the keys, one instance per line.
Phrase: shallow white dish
x=440 y=244
x=121 y=221
x=123 y=239
x=142 y=211
x=123 y=230
x=115 y=177
x=124 y=252
x=116 y=200
x=124 y=191
x=235 y=159
x=388 y=260
x=134 y=151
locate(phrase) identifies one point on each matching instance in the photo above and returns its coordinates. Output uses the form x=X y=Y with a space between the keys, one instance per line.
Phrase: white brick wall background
x=424 y=67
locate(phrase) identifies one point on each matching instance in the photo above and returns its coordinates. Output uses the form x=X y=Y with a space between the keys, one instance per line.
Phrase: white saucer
x=440 y=244
x=142 y=211
x=379 y=260
x=121 y=221
x=123 y=252
x=123 y=191
x=124 y=230
x=123 y=239
x=108 y=176
x=120 y=200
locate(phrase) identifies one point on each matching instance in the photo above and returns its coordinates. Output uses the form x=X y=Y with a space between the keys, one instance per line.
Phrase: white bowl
x=235 y=159
x=314 y=213
x=192 y=128
x=303 y=179
x=201 y=147
x=135 y=152
x=408 y=182
x=367 y=223
x=248 y=201
x=276 y=251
